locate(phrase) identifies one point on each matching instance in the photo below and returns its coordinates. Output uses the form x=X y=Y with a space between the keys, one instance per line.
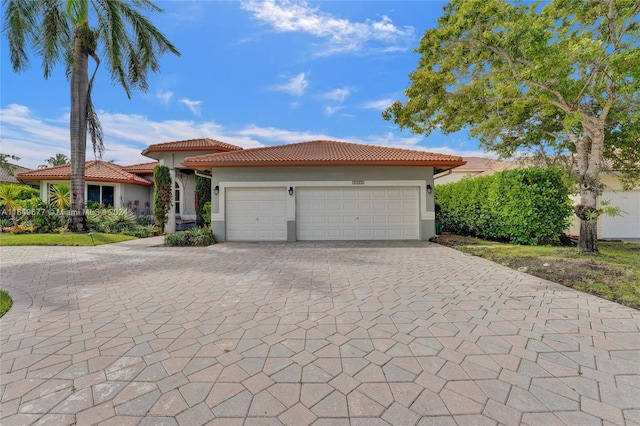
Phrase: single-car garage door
x=364 y=213
x=627 y=225
x=256 y=214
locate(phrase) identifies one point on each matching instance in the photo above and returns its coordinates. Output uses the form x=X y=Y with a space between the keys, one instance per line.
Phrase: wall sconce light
x=216 y=190
x=429 y=189
x=291 y=191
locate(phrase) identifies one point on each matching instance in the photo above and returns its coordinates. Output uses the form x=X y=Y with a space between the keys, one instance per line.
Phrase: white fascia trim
x=223 y=186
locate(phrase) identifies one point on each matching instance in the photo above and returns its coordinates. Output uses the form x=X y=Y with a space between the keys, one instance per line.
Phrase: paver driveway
x=306 y=333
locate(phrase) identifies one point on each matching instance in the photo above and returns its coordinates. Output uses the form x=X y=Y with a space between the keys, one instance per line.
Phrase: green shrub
x=191 y=237
x=144 y=220
x=42 y=217
x=140 y=231
x=205 y=213
x=522 y=206
x=110 y=221
x=161 y=195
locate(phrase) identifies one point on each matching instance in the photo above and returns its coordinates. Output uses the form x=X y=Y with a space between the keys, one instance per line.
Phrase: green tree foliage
x=61 y=31
x=57 y=160
x=522 y=206
x=560 y=77
x=5 y=165
x=161 y=195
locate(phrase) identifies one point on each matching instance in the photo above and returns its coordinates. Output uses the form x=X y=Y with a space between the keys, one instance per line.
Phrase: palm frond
x=93 y=122
x=132 y=43
x=54 y=35
x=20 y=23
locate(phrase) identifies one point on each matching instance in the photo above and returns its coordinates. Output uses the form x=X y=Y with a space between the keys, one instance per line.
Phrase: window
x=102 y=194
x=177 y=197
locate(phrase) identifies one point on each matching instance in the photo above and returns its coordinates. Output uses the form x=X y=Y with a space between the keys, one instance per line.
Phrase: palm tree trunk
x=78 y=134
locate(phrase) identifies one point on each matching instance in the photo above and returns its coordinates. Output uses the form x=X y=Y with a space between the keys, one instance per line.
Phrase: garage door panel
x=256 y=214
x=357 y=213
x=628 y=224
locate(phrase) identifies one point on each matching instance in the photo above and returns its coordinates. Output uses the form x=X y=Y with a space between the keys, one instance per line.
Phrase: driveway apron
x=371 y=333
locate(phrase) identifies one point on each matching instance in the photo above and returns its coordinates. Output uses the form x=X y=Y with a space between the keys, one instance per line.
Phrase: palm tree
x=57 y=160
x=60 y=196
x=59 y=30
x=9 y=199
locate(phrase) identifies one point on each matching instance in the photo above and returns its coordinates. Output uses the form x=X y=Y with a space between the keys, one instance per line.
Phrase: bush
x=205 y=213
x=110 y=221
x=140 y=231
x=191 y=237
x=522 y=206
x=41 y=217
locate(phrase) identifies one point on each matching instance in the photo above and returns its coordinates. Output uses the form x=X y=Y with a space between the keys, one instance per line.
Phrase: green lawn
x=61 y=239
x=614 y=274
x=5 y=302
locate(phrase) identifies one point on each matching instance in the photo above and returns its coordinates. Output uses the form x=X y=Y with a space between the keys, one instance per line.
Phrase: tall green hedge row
x=522 y=206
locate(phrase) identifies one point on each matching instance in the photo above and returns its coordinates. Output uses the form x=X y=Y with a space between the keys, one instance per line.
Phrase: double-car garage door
x=323 y=213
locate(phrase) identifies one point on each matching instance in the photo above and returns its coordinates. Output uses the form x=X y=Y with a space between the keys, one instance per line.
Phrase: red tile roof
x=323 y=153
x=191 y=145
x=95 y=171
x=142 y=168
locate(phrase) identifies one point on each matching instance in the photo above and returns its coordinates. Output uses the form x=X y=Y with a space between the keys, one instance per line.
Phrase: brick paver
x=305 y=333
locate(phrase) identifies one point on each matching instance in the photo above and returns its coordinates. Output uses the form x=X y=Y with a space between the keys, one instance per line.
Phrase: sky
x=251 y=73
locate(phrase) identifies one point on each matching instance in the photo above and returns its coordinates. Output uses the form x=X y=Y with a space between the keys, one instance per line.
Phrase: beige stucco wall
x=142 y=194
x=297 y=176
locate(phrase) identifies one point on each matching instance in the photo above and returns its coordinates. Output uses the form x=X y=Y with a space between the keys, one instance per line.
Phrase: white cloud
x=330 y=110
x=164 y=97
x=339 y=34
x=295 y=85
x=34 y=138
x=194 y=106
x=380 y=104
x=337 y=94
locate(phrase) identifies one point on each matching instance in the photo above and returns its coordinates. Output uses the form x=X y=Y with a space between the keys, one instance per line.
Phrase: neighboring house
x=476 y=166
x=322 y=190
x=7 y=177
x=625 y=226
x=106 y=183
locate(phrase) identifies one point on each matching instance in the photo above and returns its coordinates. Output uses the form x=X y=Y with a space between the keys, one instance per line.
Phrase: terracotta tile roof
x=142 y=168
x=95 y=171
x=191 y=145
x=324 y=153
x=481 y=164
x=5 y=176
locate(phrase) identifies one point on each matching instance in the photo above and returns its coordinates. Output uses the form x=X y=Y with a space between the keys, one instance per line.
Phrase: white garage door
x=256 y=214
x=388 y=213
x=627 y=225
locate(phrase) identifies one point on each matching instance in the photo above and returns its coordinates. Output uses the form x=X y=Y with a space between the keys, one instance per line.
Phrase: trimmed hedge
x=522 y=206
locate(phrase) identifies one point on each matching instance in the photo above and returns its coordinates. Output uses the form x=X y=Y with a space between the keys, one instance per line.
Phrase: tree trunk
x=588 y=241
x=588 y=213
x=78 y=135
